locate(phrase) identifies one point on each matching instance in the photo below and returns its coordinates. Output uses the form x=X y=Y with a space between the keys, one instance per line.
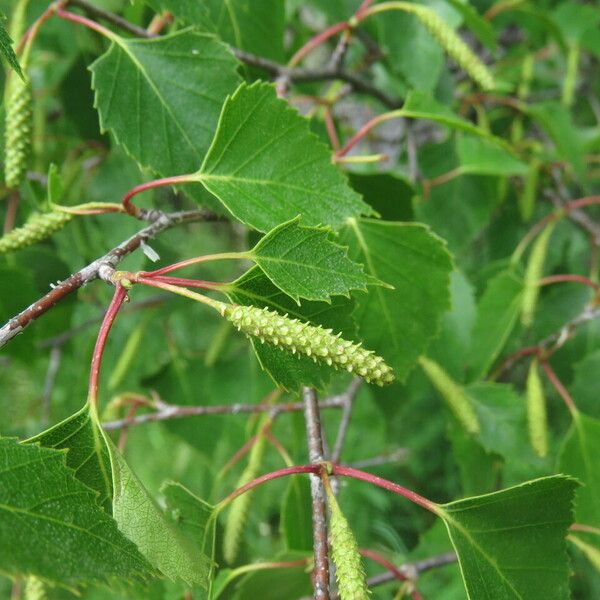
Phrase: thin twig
x=348 y=398
x=395 y=456
x=99 y=13
x=93 y=271
x=319 y=518
x=168 y=412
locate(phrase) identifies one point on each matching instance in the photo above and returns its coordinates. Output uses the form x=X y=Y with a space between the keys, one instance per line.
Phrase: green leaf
x=257 y=27
x=6 y=48
x=87 y=454
x=398 y=323
x=511 y=544
x=420 y=105
x=142 y=521
x=288 y=370
x=267 y=167
x=296 y=522
x=579 y=457
x=305 y=263
x=497 y=313
x=51 y=525
x=478 y=156
x=161 y=97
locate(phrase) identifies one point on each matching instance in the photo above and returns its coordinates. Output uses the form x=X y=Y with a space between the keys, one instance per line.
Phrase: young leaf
x=6 y=48
x=511 y=544
x=51 y=525
x=87 y=454
x=161 y=97
x=398 y=323
x=497 y=314
x=304 y=263
x=267 y=167
x=142 y=521
x=579 y=457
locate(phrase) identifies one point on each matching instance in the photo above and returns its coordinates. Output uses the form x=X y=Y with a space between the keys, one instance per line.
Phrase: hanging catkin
x=38 y=227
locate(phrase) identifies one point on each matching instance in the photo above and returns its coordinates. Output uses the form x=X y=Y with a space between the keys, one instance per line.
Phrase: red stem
x=331 y=132
x=384 y=562
x=362 y=132
x=109 y=318
x=81 y=20
x=568 y=278
x=195 y=283
x=362 y=8
x=560 y=388
x=336 y=470
x=384 y=483
x=35 y=27
x=317 y=40
x=150 y=185
x=268 y=477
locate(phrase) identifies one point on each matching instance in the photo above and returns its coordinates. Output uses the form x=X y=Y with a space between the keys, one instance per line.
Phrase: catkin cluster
x=310 y=340
x=38 y=227
x=18 y=130
x=453 y=45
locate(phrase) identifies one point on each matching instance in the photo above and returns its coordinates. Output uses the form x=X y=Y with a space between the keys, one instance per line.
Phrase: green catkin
x=452 y=44
x=349 y=570
x=528 y=195
x=533 y=273
x=310 y=340
x=18 y=130
x=453 y=393
x=238 y=512
x=35 y=589
x=18 y=100
x=38 y=227
x=537 y=419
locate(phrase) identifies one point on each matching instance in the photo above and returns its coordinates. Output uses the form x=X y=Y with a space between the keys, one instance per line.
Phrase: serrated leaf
x=497 y=313
x=479 y=156
x=398 y=323
x=267 y=167
x=6 y=48
x=580 y=457
x=305 y=263
x=142 y=521
x=51 y=525
x=288 y=370
x=161 y=97
x=87 y=454
x=511 y=544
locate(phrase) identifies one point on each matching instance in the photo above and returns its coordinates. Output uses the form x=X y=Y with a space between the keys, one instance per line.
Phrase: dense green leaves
x=267 y=167
x=51 y=525
x=161 y=98
x=511 y=544
x=398 y=322
x=305 y=263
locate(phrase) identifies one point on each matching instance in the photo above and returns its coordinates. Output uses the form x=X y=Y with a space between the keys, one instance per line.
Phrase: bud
x=349 y=570
x=38 y=227
x=536 y=411
x=311 y=340
x=452 y=44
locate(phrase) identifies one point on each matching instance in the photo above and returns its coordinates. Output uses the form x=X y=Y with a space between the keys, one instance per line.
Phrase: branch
x=319 y=74
x=348 y=399
x=99 y=13
x=315 y=455
x=167 y=412
x=93 y=271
